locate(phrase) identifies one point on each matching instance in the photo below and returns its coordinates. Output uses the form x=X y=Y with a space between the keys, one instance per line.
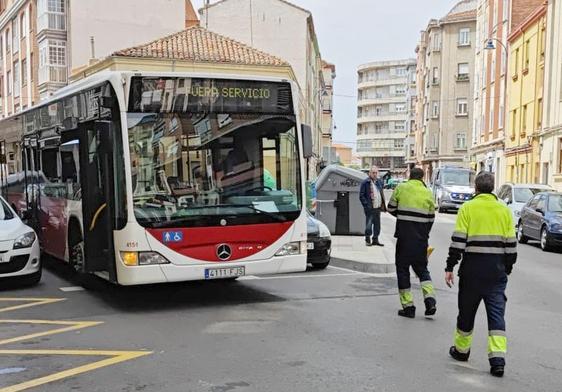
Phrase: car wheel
x=545 y=241
x=520 y=236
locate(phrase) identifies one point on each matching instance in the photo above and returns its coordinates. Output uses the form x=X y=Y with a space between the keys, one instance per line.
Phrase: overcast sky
x=353 y=32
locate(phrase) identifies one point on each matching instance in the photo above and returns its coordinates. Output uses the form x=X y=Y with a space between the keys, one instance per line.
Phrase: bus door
x=96 y=181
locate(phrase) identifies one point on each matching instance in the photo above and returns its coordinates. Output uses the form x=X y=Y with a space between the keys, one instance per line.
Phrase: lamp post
x=491 y=45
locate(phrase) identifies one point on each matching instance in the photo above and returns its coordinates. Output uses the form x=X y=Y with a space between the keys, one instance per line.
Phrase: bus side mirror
x=306 y=132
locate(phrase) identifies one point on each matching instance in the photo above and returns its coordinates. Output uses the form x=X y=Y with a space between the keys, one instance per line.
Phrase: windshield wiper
x=275 y=215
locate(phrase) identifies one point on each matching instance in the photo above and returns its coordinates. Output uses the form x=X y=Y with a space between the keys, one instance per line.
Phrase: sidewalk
x=352 y=253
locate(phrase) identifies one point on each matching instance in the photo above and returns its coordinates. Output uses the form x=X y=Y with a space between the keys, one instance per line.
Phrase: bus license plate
x=224 y=273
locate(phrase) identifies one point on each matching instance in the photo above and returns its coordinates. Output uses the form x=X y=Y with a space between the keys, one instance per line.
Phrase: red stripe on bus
x=201 y=243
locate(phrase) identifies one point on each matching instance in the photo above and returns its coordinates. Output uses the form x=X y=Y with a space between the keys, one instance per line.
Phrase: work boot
x=409 y=312
x=368 y=241
x=430 y=306
x=377 y=243
x=497 y=371
x=462 y=357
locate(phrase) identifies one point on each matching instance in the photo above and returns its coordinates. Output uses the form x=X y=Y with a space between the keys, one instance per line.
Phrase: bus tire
x=75 y=246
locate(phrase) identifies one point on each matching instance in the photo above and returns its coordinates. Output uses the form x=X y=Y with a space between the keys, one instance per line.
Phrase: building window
x=516 y=70
x=513 y=123
x=539 y=114
x=51 y=15
x=560 y=156
x=15 y=35
x=398 y=143
x=17 y=79
x=399 y=125
x=24 y=72
x=462 y=107
x=505 y=10
x=400 y=90
x=460 y=142
x=23 y=25
x=524 y=121
x=526 y=54
x=435 y=109
x=52 y=61
x=464 y=37
x=8 y=41
x=9 y=82
x=463 y=71
x=435 y=76
x=436 y=42
x=400 y=108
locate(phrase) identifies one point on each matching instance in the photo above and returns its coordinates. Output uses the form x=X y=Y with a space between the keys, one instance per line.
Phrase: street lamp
x=491 y=46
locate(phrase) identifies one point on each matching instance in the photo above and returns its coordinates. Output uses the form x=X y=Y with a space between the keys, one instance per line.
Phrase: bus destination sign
x=196 y=95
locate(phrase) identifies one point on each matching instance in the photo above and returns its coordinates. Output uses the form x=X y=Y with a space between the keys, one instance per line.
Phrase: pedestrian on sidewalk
x=484 y=239
x=412 y=204
x=371 y=195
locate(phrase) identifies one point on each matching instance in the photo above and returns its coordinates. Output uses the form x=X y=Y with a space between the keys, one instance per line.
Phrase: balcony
x=379 y=100
x=387 y=81
x=51 y=21
x=463 y=77
x=53 y=74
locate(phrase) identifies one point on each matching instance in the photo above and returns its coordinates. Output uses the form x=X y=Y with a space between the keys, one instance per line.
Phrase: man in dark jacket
x=372 y=198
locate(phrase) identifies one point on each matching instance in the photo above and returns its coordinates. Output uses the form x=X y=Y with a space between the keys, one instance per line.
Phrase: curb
x=373 y=268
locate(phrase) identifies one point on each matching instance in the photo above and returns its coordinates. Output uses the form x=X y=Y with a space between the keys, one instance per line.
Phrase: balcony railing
x=53 y=74
x=463 y=77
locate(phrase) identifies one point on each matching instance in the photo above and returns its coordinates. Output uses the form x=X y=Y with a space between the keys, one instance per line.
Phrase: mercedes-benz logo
x=224 y=252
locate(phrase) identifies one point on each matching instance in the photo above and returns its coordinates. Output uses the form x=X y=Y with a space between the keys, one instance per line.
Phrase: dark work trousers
x=373 y=224
x=411 y=253
x=484 y=279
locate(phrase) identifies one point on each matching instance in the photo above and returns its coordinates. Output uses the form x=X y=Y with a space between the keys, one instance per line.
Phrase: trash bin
x=337 y=200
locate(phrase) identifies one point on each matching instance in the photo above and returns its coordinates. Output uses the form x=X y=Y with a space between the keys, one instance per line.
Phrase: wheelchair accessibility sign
x=172 y=236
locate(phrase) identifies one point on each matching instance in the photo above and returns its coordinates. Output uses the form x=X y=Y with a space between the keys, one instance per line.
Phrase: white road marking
x=376 y=275
x=302 y=276
x=71 y=288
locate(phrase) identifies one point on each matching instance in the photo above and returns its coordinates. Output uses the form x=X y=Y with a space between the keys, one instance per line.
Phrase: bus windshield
x=195 y=169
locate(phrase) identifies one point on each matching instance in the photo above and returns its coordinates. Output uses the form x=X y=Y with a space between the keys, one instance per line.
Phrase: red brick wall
x=521 y=9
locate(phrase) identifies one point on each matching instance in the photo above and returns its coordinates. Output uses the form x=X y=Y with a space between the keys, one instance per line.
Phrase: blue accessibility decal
x=172 y=236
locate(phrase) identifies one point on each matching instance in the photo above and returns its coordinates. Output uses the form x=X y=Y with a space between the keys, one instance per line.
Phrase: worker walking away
x=412 y=204
x=484 y=239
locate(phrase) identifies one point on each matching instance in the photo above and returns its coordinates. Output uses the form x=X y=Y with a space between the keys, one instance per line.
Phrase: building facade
x=490 y=82
x=284 y=30
x=550 y=140
x=329 y=74
x=383 y=112
x=447 y=72
x=527 y=44
x=41 y=41
x=411 y=105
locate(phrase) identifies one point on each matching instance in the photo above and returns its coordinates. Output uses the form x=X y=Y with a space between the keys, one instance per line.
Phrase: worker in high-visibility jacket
x=484 y=239
x=413 y=206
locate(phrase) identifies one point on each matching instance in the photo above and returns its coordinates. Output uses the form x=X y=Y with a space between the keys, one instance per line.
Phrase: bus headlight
x=132 y=259
x=289 y=249
x=24 y=241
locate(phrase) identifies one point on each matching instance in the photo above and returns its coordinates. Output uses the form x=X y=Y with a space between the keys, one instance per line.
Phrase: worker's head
x=484 y=182
x=374 y=172
x=416 y=174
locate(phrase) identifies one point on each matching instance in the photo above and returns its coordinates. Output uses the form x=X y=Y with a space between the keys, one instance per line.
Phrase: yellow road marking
x=69 y=326
x=116 y=357
x=31 y=302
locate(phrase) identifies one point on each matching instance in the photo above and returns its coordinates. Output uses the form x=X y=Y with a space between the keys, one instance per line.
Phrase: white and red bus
x=146 y=178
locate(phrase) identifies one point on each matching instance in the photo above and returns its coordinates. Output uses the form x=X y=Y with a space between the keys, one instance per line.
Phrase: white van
x=452 y=186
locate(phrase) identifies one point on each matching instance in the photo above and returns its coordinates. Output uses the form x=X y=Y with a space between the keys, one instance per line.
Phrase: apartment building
x=447 y=88
x=411 y=105
x=284 y=30
x=550 y=140
x=327 y=96
x=41 y=41
x=383 y=113
x=527 y=44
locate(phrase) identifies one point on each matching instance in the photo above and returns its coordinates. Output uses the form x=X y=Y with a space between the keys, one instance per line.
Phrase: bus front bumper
x=165 y=273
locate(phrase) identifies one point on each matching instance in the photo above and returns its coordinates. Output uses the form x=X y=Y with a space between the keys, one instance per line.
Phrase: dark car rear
x=541 y=220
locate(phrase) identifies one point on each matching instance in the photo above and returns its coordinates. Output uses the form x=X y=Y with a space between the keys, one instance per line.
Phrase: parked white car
x=19 y=247
x=517 y=195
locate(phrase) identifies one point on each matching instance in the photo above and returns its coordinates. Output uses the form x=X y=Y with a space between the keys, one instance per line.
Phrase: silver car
x=517 y=195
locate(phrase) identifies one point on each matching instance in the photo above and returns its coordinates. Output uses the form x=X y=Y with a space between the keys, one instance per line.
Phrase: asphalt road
x=335 y=330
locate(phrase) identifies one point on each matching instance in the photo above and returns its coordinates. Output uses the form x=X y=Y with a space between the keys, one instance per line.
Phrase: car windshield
x=459 y=178
x=192 y=169
x=5 y=212
x=523 y=195
x=555 y=203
